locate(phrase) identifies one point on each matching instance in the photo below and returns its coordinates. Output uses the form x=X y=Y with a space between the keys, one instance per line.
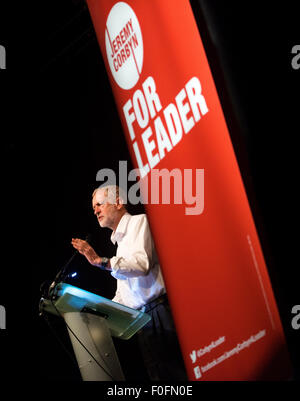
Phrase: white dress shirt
x=135 y=266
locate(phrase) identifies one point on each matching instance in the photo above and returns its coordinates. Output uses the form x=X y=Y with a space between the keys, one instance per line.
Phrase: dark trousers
x=159 y=345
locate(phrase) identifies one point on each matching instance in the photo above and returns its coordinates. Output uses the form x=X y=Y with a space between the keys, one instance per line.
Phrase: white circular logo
x=124 y=45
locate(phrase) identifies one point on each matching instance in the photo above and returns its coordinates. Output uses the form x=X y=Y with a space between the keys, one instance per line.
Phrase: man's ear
x=119 y=203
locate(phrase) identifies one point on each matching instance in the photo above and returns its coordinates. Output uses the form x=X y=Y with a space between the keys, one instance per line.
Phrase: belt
x=152 y=304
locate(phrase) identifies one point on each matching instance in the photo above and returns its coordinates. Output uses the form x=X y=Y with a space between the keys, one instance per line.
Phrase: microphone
x=62 y=273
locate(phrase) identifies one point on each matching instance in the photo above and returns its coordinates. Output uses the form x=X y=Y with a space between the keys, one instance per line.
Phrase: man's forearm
x=93 y=258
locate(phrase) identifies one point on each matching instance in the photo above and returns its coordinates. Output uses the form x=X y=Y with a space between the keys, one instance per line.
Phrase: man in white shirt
x=140 y=283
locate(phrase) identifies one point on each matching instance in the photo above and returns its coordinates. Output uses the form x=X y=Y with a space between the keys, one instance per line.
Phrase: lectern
x=91 y=321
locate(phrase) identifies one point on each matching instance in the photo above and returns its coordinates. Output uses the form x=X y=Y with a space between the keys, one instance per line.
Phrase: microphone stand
x=62 y=273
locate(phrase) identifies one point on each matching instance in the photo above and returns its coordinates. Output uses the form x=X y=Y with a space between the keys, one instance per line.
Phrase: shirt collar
x=120 y=231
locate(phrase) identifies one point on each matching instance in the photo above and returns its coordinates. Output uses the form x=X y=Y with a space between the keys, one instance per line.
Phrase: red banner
x=215 y=273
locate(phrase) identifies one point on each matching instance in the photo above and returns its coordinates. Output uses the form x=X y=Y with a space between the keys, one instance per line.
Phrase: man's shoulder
x=137 y=220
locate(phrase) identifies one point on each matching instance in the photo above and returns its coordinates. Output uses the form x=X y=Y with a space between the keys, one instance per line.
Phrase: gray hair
x=112 y=192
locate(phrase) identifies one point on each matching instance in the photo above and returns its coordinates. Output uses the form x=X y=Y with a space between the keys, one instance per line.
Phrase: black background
x=60 y=126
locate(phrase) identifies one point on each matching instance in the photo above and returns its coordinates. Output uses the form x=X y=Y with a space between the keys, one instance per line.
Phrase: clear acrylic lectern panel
x=122 y=321
x=91 y=321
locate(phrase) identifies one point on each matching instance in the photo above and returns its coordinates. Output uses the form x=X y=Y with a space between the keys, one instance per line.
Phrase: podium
x=92 y=321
